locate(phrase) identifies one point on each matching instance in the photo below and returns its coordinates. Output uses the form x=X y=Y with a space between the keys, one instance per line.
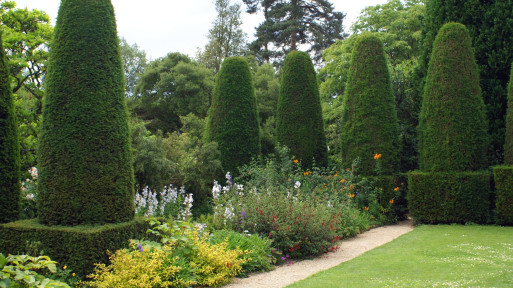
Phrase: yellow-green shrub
x=152 y=267
x=216 y=264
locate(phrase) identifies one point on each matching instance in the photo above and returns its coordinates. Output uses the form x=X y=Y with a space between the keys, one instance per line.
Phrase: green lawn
x=430 y=256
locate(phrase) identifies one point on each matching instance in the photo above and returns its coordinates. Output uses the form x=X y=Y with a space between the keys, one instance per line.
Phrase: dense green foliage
x=299 y=124
x=490 y=24
x=79 y=247
x=449 y=197
x=134 y=64
x=508 y=146
x=9 y=147
x=452 y=126
x=369 y=118
x=429 y=256
x=503 y=176
x=85 y=159
x=289 y=24
x=170 y=87
x=233 y=117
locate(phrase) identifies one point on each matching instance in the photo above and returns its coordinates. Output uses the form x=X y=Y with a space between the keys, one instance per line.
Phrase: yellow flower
x=377 y=156
x=391 y=201
x=296 y=161
x=366 y=208
x=64 y=267
x=396 y=188
x=73 y=274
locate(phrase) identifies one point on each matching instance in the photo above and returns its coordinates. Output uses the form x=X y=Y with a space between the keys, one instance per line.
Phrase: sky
x=162 y=26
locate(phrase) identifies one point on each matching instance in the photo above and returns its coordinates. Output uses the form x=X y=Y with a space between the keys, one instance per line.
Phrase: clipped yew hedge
x=9 y=148
x=299 y=124
x=85 y=158
x=449 y=197
x=369 y=118
x=78 y=247
x=452 y=129
x=233 y=117
x=503 y=176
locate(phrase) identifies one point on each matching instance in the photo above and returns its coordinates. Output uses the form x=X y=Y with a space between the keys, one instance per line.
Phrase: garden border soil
x=349 y=248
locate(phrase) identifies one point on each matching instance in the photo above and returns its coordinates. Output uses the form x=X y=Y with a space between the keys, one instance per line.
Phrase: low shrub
x=22 y=271
x=449 y=197
x=183 y=257
x=260 y=254
x=503 y=176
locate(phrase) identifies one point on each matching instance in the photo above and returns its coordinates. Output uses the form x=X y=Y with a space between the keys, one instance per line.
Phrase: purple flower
x=140 y=248
x=282 y=258
x=243 y=214
x=287 y=255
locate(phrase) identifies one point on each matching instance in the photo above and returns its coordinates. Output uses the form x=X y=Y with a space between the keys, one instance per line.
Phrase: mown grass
x=430 y=256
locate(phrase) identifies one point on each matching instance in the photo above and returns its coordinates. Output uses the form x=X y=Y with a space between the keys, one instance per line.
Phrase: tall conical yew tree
x=85 y=162
x=452 y=123
x=369 y=118
x=299 y=124
x=9 y=148
x=233 y=118
x=508 y=146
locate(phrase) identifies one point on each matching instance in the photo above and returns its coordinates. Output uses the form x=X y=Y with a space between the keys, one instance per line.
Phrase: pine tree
x=291 y=23
x=299 y=124
x=452 y=124
x=85 y=159
x=233 y=118
x=369 y=119
x=9 y=148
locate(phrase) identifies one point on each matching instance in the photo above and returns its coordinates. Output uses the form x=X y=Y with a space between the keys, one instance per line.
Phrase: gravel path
x=350 y=248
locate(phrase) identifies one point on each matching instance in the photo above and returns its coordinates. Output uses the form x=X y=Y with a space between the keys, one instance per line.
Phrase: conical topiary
x=233 y=118
x=369 y=118
x=85 y=160
x=452 y=127
x=508 y=146
x=9 y=148
x=299 y=124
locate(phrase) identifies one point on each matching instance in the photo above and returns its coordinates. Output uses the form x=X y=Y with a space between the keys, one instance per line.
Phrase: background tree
x=490 y=24
x=233 y=117
x=398 y=25
x=299 y=124
x=26 y=37
x=85 y=158
x=452 y=124
x=171 y=87
x=9 y=148
x=508 y=146
x=369 y=118
x=226 y=37
x=291 y=23
x=134 y=63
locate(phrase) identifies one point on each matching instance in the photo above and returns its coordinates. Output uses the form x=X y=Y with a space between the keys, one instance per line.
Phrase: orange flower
x=377 y=156
x=351 y=195
x=396 y=188
x=306 y=173
x=342 y=180
x=351 y=187
x=366 y=208
x=296 y=161
x=391 y=201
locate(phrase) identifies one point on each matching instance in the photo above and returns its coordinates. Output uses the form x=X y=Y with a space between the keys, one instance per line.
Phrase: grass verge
x=430 y=256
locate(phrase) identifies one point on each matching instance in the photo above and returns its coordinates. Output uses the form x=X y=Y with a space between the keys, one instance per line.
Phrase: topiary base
x=503 y=176
x=449 y=197
x=78 y=247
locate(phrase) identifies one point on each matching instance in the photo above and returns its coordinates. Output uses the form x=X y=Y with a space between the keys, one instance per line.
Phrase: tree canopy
x=291 y=23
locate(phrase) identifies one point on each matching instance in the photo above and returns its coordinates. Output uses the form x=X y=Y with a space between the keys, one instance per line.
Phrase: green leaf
x=3 y=261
